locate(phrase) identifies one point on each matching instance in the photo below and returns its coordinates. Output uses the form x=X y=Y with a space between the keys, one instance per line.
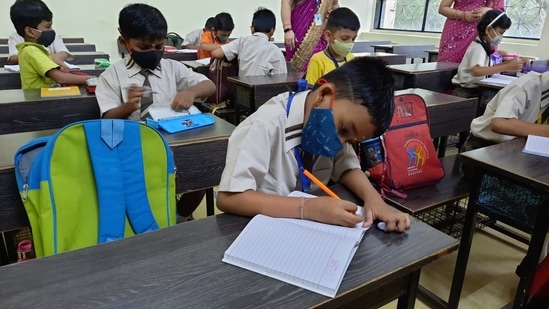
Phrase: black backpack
x=173 y=39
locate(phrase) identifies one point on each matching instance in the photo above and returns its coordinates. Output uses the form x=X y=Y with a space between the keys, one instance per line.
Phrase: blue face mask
x=320 y=135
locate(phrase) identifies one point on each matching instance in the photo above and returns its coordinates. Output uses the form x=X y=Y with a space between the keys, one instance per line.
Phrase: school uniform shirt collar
x=134 y=68
x=261 y=35
x=294 y=124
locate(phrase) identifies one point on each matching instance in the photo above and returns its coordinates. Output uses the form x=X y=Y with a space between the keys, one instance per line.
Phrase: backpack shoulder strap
x=114 y=146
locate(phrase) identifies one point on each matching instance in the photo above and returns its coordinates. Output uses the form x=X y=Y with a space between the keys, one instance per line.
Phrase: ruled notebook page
x=537 y=145
x=311 y=258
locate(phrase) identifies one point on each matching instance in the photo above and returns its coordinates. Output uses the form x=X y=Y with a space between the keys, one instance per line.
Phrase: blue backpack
x=95 y=181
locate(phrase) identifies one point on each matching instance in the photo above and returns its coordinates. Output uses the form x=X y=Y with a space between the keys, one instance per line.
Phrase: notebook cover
x=60 y=91
x=184 y=123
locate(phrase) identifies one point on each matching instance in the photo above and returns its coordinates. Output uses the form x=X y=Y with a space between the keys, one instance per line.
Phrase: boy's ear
x=271 y=33
x=29 y=32
x=324 y=90
x=252 y=29
x=328 y=35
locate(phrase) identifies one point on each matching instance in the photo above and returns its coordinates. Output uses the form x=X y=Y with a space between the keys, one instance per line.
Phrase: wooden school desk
x=412 y=51
x=436 y=76
x=366 y=46
x=432 y=55
x=12 y=80
x=389 y=58
x=511 y=187
x=180 y=56
x=72 y=47
x=181 y=266
x=252 y=91
x=197 y=66
x=65 y=40
x=78 y=57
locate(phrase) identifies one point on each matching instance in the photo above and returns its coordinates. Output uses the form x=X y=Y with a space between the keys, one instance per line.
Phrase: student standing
x=341 y=32
x=256 y=55
x=267 y=151
x=129 y=86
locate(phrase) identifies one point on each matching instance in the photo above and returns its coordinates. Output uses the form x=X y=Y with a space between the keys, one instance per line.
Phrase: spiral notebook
x=308 y=254
x=537 y=145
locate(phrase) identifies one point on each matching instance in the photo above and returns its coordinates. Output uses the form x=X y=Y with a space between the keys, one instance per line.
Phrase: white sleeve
x=58 y=46
x=13 y=40
x=231 y=49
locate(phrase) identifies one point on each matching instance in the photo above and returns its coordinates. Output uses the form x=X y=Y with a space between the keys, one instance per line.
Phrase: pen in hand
x=322 y=186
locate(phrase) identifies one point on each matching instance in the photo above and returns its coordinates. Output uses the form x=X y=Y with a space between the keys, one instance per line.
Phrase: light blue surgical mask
x=496 y=40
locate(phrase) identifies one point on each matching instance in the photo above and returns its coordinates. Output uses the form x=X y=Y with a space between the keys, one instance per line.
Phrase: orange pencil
x=322 y=186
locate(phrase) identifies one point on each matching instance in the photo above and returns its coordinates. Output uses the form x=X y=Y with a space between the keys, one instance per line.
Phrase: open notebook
x=537 y=145
x=308 y=254
x=163 y=113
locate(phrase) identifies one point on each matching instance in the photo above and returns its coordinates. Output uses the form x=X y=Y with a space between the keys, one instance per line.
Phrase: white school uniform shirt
x=475 y=55
x=523 y=99
x=260 y=153
x=166 y=81
x=193 y=37
x=56 y=47
x=256 y=55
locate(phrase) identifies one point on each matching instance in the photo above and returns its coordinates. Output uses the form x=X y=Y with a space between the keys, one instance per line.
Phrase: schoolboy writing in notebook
x=476 y=63
x=192 y=39
x=256 y=55
x=32 y=20
x=130 y=86
x=312 y=130
x=341 y=32
x=212 y=39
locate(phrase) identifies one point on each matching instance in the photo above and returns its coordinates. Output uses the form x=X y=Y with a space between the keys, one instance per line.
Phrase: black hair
x=29 y=13
x=342 y=18
x=142 y=21
x=369 y=82
x=224 y=21
x=504 y=22
x=264 y=20
x=210 y=23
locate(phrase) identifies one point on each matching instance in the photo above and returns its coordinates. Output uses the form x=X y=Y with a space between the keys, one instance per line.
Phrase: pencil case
x=101 y=63
x=184 y=123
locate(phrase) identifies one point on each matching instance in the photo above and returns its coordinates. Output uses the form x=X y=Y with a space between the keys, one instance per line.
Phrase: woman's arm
x=286 y=14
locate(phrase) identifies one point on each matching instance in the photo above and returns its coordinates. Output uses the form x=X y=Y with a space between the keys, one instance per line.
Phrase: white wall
x=97 y=21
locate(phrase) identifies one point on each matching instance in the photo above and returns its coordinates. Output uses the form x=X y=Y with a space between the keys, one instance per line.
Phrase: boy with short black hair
x=341 y=32
x=256 y=55
x=130 y=86
x=192 y=40
x=223 y=27
x=32 y=20
x=312 y=130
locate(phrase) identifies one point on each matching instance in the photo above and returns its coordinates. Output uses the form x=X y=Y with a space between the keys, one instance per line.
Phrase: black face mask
x=148 y=59
x=46 y=38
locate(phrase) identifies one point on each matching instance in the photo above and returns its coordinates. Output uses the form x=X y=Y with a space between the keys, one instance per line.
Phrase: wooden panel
x=12 y=80
x=72 y=47
x=78 y=57
x=65 y=40
x=180 y=56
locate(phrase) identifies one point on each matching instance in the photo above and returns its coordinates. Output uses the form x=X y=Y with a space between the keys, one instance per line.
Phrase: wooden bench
x=411 y=51
x=435 y=76
x=78 y=57
x=367 y=46
x=432 y=55
x=65 y=40
x=389 y=58
x=72 y=47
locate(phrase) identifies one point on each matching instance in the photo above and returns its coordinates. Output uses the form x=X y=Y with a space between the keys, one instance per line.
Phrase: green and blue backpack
x=95 y=181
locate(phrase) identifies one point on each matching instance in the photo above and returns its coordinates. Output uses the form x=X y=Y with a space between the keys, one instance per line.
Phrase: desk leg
x=464 y=246
x=528 y=266
x=408 y=300
x=210 y=202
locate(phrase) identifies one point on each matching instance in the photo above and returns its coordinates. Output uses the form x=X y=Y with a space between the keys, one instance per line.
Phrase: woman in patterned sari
x=460 y=28
x=298 y=17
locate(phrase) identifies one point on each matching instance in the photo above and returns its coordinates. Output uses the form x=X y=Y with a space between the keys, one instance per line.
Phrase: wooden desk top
x=193 y=64
x=180 y=56
x=490 y=85
x=432 y=51
x=377 y=54
x=12 y=80
x=428 y=67
x=451 y=188
x=181 y=266
x=79 y=57
x=260 y=80
x=65 y=40
x=508 y=159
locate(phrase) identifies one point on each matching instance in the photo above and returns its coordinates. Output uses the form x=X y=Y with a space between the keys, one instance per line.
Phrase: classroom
x=473 y=240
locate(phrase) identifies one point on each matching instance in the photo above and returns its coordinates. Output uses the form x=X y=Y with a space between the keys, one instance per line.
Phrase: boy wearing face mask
x=32 y=20
x=341 y=32
x=476 y=64
x=256 y=55
x=145 y=78
x=312 y=130
x=212 y=39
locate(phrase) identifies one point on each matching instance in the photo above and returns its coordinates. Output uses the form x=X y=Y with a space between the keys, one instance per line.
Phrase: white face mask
x=496 y=40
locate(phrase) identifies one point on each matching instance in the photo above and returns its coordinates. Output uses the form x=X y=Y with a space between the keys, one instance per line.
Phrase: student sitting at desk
x=341 y=32
x=32 y=20
x=212 y=39
x=256 y=55
x=192 y=40
x=128 y=87
x=268 y=151
x=476 y=63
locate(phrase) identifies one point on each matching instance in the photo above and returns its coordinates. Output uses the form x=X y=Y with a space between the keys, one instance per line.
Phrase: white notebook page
x=309 y=258
x=537 y=145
